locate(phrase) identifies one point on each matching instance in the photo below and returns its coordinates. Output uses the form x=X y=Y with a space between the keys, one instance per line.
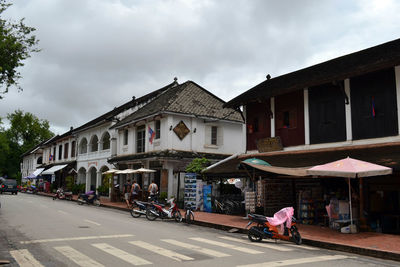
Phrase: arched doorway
x=92 y=178
x=81 y=176
x=104 y=187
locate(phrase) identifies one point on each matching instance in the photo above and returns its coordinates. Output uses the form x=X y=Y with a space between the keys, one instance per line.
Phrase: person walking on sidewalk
x=127 y=192
x=153 y=189
x=135 y=189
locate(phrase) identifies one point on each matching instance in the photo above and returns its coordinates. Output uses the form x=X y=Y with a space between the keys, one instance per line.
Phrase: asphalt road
x=37 y=231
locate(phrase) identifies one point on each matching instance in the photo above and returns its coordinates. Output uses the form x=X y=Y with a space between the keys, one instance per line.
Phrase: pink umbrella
x=350 y=168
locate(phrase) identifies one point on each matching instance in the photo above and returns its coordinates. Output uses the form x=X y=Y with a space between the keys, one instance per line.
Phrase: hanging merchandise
x=260 y=193
x=199 y=195
x=190 y=190
x=207 y=198
x=250 y=200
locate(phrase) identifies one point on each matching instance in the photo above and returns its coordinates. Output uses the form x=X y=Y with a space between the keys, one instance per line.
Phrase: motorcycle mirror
x=248 y=225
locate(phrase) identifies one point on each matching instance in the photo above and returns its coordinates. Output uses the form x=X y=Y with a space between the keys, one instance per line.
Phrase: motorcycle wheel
x=80 y=201
x=97 y=202
x=253 y=236
x=178 y=216
x=296 y=237
x=134 y=211
x=150 y=214
x=189 y=218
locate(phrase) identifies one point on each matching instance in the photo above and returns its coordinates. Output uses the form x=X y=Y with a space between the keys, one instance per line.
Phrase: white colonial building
x=182 y=123
x=97 y=143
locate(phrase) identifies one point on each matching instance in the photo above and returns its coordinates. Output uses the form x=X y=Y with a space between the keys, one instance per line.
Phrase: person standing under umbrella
x=153 y=189
x=127 y=192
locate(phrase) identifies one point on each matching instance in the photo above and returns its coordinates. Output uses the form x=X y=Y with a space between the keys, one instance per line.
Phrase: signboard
x=53 y=178
x=269 y=144
x=207 y=198
x=181 y=130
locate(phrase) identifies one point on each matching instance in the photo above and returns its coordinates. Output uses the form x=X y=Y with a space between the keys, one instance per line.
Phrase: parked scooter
x=138 y=208
x=61 y=194
x=267 y=226
x=32 y=189
x=89 y=197
x=155 y=211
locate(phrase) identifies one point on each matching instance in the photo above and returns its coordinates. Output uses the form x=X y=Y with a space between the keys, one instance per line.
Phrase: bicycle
x=189 y=214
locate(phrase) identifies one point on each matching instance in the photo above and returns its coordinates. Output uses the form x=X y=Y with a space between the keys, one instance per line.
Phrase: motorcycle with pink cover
x=267 y=227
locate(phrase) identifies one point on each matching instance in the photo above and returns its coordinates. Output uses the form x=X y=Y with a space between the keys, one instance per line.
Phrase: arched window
x=39 y=160
x=83 y=146
x=94 y=144
x=106 y=141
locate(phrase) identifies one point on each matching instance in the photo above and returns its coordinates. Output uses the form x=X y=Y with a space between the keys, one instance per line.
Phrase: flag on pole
x=373 y=107
x=50 y=157
x=152 y=134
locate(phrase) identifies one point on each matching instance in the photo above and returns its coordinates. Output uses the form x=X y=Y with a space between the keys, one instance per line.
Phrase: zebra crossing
x=131 y=252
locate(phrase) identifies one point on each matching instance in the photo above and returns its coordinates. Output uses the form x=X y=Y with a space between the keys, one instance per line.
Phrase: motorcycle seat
x=259 y=218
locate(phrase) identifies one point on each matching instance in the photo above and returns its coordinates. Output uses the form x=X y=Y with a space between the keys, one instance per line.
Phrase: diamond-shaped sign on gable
x=181 y=130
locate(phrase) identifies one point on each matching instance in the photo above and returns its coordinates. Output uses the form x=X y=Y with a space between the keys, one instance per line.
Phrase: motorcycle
x=267 y=226
x=189 y=214
x=89 y=197
x=155 y=211
x=138 y=208
x=31 y=189
x=61 y=194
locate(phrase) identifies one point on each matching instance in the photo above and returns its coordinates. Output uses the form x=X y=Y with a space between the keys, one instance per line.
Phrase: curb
x=315 y=243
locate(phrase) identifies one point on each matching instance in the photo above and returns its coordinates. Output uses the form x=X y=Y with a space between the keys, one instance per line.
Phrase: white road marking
x=77 y=257
x=196 y=248
x=74 y=238
x=95 y=223
x=24 y=258
x=63 y=212
x=296 y=261
x=302 y=246
x=162 y=251
x=121 y=254
x=225 y=245
x=263 y=245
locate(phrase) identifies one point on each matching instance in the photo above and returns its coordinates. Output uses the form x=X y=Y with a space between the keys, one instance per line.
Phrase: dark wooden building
x=347 y=106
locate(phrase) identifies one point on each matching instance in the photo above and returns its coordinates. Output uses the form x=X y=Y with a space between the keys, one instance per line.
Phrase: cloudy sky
x=97 y=54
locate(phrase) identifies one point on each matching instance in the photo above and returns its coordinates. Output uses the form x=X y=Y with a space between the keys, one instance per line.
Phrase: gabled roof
x=188 y=99
x=33 y=149
x=109 y=115
x=368 y=60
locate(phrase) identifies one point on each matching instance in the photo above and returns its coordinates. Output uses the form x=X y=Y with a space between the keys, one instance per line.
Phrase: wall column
x=306 y=118
x=273 y=116
x=244 y=130
x=87 y=187
x=397 y=75
x=349 y=131
x=170 y=181
x=98 y=180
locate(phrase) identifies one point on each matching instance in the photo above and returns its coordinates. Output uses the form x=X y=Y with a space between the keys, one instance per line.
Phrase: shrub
x=78 y=188
x=70 y=182
x=103 y=190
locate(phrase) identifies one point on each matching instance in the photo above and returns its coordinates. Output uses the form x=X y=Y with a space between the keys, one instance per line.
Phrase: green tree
x=25 y=132
x=16 y=44
x=197 y=165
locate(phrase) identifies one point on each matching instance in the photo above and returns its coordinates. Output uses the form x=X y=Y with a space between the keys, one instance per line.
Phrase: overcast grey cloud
x=97 y=54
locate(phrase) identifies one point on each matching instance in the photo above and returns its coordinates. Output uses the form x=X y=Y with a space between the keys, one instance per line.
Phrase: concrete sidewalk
x=365 y=243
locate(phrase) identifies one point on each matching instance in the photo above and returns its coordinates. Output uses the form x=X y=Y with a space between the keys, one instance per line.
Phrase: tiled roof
x=109 y=115
x=189 y=99
x=368 y=60
x=168 y=154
